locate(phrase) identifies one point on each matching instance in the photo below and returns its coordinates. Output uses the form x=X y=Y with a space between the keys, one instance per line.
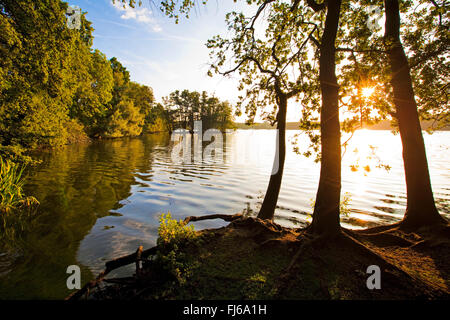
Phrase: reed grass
x=15 y=206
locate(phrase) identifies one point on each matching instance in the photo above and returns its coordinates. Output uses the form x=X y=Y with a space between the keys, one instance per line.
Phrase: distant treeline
x=382 y=125
x=56 y=89
x=265 y=125
x=426 y=125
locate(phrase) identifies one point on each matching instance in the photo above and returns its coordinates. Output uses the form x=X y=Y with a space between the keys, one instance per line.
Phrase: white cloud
x=142 y=15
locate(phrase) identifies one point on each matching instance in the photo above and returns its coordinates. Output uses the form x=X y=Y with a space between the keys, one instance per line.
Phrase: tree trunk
x=271 y=198
x=420 y=208
x=326 y=209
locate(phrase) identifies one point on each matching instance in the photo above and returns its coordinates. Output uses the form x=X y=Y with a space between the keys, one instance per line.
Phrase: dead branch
x=112 y=265
x=125 y=260
x=225 y=217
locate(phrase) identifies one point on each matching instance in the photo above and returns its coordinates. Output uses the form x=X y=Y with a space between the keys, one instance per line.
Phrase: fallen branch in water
x=112 y=265
x=225 y=217
x=123 y=261
x=85 y=290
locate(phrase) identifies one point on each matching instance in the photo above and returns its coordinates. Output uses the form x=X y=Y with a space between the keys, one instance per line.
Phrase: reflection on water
x=102 y=200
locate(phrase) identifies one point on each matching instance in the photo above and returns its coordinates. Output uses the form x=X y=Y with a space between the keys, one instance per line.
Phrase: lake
x=102 y=200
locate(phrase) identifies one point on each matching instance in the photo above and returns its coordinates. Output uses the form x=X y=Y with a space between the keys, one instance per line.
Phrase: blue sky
x=161 y=54
x=157 y=52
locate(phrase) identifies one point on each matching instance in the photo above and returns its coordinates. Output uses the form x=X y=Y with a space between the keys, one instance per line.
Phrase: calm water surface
x=102 y=200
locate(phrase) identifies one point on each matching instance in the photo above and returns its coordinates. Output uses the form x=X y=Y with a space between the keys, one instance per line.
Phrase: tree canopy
x=56 y=89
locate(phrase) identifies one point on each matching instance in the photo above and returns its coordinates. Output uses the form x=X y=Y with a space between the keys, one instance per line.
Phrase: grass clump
x=15 y=206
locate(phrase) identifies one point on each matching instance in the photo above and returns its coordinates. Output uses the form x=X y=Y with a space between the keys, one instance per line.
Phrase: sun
x=367 y=91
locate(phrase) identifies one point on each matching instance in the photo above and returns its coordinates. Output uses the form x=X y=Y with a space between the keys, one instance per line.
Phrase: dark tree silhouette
x=326 y=209
x=420 y=208
x=266 y=67
x=269 y=204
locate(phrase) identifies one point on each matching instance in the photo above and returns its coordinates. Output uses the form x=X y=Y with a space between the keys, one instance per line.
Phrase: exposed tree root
x=398 y=235
x=382 y=239
x=284 y=277
x=352 y=242
x=380 y=228
x=346 y=239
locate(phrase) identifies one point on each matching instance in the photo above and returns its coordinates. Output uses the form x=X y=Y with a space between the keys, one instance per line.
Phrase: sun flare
x=367 y=91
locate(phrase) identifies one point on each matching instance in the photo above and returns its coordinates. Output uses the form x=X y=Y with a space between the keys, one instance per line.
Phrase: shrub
x=173 y=235
x=75 y=132
x=172 y=232
x=17 y=154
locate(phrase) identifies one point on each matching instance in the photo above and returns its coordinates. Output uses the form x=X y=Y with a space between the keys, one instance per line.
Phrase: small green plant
x=11 y=183
x=345 y=204
x=256 y=287
x=173 y=236
x=171 y=231
x=344 y=208
x=15 y=207
x=17 y=154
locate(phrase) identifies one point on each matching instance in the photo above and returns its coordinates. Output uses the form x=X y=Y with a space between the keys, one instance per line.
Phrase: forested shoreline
x=56 y=89
x=343 y=71
x=382 y=125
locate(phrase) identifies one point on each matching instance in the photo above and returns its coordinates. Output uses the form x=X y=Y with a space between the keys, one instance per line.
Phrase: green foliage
x=185 y=107
x=275 y=53
x=131 y=110
x=344 y=206
x=271 y=60
x=75 y=132
x=144 y=100
x=15 y=206
x=16 y=154
x=172 y=232
x=257 y=287
x=94 y=91
x=172 y=8
x=55 y=89
x=158 y=124
x=36 y=83
x=11 y=183
x=48 y=75
x=425 y=38
x=173 y=235
x=125 y=121
x=158 y=120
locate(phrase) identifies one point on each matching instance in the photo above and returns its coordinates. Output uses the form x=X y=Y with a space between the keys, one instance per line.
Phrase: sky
x=162 y=54
x=157 y=52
